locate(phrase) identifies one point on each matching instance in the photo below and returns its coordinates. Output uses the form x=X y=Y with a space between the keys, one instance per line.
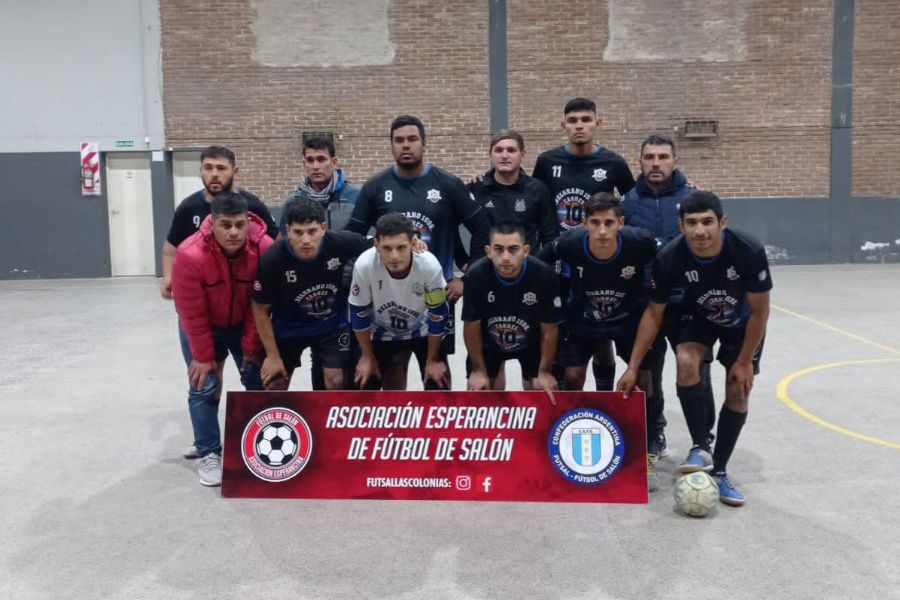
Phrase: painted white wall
x=80 y=71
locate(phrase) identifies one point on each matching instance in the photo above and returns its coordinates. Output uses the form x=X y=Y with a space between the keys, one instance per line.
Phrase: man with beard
x=218 y=170
x=435 y=201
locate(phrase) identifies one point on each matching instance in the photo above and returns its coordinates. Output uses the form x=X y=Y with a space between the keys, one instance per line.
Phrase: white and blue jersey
x=398 y=309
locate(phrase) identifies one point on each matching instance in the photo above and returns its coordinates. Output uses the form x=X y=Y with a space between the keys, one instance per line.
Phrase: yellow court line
x=783 y=396
x=849 y=334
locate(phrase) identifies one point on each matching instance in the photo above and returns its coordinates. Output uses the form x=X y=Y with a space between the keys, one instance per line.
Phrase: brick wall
x=876 y=99
x=769 y=88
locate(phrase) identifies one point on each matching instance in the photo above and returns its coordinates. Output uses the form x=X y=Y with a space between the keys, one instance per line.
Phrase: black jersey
x=436 y=202
x=193 y=209
x=714 y=288
x=308 y=297
x=606 y=297
x=511 y=311
x=527 y=201
x=572 y=180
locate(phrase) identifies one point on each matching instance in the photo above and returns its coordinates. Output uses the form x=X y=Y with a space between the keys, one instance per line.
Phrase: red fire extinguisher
x=87 y=177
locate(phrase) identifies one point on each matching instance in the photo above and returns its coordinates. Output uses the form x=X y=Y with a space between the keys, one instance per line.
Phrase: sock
x=605 y=376
x=730 y=425
x=709 y=399
x=693 y=405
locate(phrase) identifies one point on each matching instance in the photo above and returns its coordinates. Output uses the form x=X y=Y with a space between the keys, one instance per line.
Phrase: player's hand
x=272 y=368
x=454 y=289
x=197 y=373
x=165 y=288
x=437 y=372
x=547 y=382
x=474 y=180
x=366 y=368
x=627 y=382
x=742 y=374
x=418 y=245
x=478 y=380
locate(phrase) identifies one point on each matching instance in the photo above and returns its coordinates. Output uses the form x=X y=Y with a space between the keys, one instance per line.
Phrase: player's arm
x=478 y=379
x=647 y=331
x=549 y=221
x=363 y=211
x=625 y=180
x=438 y=311
x=742 y=370
x=273 y=366
x=361 y=310
x=167 y=258
x=545 y=379
x=190 y=304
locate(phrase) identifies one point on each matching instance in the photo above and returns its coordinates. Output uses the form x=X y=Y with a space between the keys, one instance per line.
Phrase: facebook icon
x=486 y=483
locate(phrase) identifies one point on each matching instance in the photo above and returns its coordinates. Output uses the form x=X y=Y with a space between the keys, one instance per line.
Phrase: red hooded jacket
x=212 y=291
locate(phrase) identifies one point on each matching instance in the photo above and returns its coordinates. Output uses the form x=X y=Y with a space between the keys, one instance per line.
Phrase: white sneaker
x=190 y=453
x=211 y=470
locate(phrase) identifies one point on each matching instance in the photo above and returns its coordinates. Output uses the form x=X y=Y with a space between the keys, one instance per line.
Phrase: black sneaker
x=662 y=449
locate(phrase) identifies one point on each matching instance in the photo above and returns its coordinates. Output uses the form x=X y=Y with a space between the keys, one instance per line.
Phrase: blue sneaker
x=697 y=459
x=728 y=494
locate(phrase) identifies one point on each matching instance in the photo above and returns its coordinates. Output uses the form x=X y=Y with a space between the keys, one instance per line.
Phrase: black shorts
x=332 y=349
x=529 y=359
x=578 y=350
x=692 y=328
x=392 y=352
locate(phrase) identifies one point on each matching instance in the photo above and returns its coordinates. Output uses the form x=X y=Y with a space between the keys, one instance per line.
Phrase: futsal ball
x=696 y=494
x=276 y=444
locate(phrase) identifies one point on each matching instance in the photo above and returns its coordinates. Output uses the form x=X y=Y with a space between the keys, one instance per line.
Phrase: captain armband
x=437 y=318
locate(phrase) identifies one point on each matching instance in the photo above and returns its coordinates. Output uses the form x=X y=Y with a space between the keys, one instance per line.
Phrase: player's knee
x=687 y=368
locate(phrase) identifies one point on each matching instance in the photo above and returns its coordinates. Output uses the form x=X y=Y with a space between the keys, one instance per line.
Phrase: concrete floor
x=97 y=503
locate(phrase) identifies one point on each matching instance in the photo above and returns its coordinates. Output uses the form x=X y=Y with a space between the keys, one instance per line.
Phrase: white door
x=130 y=200
x=185 y=174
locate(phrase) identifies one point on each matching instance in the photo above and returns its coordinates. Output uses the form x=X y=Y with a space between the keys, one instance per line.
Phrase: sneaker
x=190 y=453
x=728 y=494
x=211 y=470
x=652 y=477
x=662 y=449
x=697 y=459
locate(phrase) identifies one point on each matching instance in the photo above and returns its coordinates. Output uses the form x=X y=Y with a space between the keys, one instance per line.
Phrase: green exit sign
x=124 y=143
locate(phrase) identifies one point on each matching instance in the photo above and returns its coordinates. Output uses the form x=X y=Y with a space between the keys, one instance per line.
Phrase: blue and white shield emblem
x=586 y=446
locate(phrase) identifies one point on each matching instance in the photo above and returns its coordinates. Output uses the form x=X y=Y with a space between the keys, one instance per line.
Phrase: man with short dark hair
x=435 y=201
x=573 y=173
x=398 y=308
x=506 y=193
x=506 y=295
x=652 y=204
x=608 y=291
x=211 y=275
x=324 y=182
x=726 y=280
x=300 y=297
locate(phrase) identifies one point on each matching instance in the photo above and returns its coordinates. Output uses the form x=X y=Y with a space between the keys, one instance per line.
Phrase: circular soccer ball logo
x=586 y=446
x=276 y=444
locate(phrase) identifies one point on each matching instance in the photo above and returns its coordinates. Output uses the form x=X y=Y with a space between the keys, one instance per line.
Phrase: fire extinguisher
x=87 y=177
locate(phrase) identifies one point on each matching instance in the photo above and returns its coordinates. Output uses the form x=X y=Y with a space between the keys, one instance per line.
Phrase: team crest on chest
x=599 y=175
x=434 y=195
x=333 y=263
x=529 y=298
x=418 y=288
x=520 y=205
x=732 y=274
x=628 y=272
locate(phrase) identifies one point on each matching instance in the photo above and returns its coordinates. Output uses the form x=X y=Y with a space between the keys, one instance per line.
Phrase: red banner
x=501 y=446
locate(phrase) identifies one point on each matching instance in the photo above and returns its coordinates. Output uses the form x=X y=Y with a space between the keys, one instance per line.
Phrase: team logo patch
x=355 y=289
x=557 y=302
x=628 y=272
x=520 y=205
x=418 y=288
x=276 y=444
x=586 y=446
x=763 y=275
x=529 y=298
x=490 y=204
x=731 y=274
x=344 y=341
x=333 y=263
x=257 y=286
x=599 y=175
x=435 y=195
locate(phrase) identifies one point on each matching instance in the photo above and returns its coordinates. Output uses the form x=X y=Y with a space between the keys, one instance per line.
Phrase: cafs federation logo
x=586 y=446
x=276 y=444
